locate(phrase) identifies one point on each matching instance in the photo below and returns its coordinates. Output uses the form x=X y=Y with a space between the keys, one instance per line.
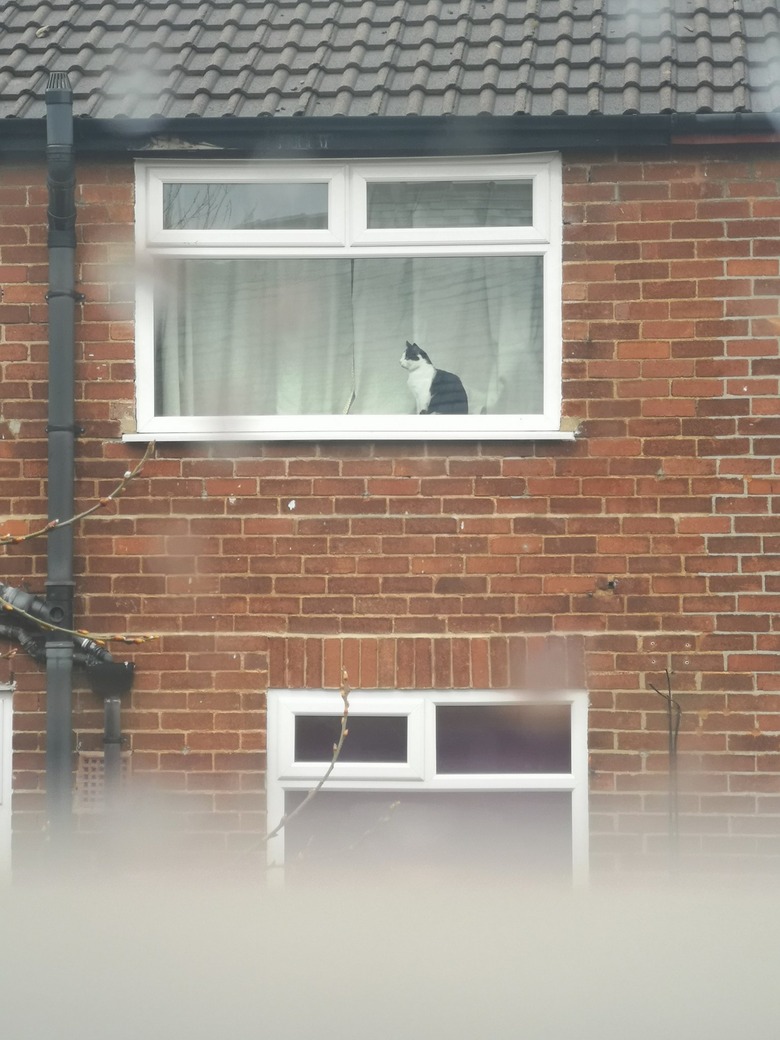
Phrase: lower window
x=504 y=833
x=451 y=784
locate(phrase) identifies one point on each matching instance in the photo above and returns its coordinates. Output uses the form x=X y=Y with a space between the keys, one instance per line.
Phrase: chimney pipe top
x=58 y=87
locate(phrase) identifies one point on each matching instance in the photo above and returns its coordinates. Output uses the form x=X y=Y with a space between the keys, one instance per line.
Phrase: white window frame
x=348 y=235
x=419 y=773
x=6 y=775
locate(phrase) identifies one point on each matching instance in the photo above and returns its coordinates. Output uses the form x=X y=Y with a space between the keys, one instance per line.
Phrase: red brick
x=672 y=488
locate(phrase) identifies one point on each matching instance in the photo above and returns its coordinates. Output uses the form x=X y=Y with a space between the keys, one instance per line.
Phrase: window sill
x=351 y=435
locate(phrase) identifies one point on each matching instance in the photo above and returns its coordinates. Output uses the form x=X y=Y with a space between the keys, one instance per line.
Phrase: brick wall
x=650 y=543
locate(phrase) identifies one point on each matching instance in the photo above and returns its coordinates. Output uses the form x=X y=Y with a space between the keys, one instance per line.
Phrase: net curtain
x=307 y=336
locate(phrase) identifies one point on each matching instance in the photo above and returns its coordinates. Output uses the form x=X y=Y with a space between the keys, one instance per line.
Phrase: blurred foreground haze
x=406 y=958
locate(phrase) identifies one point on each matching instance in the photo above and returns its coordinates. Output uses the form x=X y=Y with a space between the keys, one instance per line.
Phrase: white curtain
x=324 y=336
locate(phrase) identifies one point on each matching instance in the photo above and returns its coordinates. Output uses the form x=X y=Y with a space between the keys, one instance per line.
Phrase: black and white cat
x=435 y=391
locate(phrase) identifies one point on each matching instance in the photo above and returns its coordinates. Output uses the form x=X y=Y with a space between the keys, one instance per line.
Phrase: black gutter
x=342 y=136
x=61 y=432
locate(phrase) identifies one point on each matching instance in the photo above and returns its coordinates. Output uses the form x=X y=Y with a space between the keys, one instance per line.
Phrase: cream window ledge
x=378 y=432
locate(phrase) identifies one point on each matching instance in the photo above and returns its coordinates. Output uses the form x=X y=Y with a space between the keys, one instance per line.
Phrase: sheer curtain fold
x=303 y=336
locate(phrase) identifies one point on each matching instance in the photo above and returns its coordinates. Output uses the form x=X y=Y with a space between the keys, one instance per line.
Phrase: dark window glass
x=503 y=738
x=242 y=207
x=370 y=738
x=449 y=832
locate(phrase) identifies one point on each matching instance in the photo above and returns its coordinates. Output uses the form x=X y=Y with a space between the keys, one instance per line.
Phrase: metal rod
x=112 y=751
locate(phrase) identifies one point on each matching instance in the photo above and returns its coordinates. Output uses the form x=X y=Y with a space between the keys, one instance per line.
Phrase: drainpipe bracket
x=74 y=428
x=79 y=297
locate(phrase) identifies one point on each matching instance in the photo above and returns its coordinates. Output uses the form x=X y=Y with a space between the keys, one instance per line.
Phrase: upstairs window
x=276 y=300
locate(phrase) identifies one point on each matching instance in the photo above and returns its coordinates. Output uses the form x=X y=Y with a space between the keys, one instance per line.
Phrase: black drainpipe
x=61 y=431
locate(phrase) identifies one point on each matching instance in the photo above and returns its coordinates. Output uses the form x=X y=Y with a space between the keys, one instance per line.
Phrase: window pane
x=503 y=738
x=436 y=204
x=315 y=336
x=370 y=738
x=508 y=832
x=234 y=207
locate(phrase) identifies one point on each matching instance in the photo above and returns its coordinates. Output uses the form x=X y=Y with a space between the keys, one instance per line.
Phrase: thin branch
x=77 y=633
x=8 y=539
x=674 y=717
x=345 y=692
x=381 y=822
x=672 y=705
x=14 y=539
x=355 y=845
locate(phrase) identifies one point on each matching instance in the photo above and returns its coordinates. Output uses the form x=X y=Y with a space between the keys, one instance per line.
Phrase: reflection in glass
x=455 y=204
x=235 y=207
x=503 y=738
x=450 y=833
x=370 y=738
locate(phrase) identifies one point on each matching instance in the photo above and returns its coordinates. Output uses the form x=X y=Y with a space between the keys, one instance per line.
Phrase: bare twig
x=369 y=831
x=674 y=712
x=11 y=539
x=77 y=633
x=360 y=840
x=345 y=692
x=14 y=539
x=674 y=717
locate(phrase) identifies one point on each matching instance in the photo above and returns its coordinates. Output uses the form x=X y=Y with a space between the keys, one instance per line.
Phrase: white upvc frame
x=419 y=773
x=153 y=176
x=538 y=174
x=348 y=235
x=287 y=705
x=6 y=775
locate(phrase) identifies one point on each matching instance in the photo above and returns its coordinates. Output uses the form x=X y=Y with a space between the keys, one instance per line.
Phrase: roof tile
x=391 y=57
